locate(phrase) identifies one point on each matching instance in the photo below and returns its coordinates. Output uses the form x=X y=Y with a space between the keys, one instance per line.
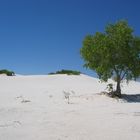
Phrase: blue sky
x=42 y=36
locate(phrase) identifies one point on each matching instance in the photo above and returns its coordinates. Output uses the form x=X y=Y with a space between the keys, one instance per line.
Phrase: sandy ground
x=35 y=108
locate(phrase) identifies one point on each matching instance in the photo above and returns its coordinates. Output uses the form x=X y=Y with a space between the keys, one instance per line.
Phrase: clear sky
x=42 y=36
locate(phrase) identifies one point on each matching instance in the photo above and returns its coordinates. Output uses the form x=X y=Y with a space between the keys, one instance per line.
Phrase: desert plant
x=67 y=96
x=110 y=87
x=68 y=72
x=7 y=72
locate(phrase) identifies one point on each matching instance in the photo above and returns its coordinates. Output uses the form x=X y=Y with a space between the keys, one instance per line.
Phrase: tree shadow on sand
x=132 y=98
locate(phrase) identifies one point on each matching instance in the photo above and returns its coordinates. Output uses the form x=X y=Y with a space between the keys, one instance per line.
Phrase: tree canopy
x=114 y=53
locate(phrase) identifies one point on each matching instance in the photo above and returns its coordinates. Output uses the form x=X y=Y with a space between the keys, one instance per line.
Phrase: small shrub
x=7 y=72
x=110 y=87
x=51 y=73
x=67 y=96
x=68 y=72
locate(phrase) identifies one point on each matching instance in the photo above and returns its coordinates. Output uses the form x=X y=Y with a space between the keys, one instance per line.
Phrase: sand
x=37 y=108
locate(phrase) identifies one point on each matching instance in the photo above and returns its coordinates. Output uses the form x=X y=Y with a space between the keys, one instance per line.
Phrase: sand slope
x=35 y=108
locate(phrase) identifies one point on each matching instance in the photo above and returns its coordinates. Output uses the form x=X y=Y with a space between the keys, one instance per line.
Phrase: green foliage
x=7 y=72
x=114 y=53
x=68 y=72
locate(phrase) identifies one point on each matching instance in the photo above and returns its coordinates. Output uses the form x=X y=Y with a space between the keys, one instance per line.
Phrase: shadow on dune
x=132 y=98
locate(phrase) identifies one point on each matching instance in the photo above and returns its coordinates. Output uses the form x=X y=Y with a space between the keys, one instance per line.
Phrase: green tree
x=114 y=53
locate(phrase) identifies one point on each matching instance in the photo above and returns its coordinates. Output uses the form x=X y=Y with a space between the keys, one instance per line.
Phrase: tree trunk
x=118 y=88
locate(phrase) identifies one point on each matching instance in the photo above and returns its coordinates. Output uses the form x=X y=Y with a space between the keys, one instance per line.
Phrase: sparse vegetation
x=68 y=72
x=110 y=87
x=7 y=72
x=67 y=96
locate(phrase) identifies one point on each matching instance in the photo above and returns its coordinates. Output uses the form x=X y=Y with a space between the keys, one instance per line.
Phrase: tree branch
x=123 y=75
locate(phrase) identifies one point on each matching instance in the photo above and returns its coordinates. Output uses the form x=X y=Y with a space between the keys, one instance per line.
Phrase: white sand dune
x=35 y=108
